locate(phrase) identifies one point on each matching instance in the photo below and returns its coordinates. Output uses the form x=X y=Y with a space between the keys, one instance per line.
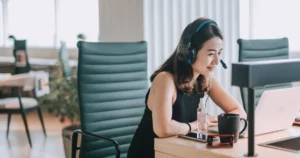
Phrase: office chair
x=21 y=105
x=21 y=57
x=112 y=84
x=258 y=50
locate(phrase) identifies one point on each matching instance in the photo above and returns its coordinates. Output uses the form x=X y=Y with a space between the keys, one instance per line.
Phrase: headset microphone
x=223 y=64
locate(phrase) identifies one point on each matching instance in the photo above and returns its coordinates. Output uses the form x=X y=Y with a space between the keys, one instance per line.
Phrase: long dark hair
x=183 y=72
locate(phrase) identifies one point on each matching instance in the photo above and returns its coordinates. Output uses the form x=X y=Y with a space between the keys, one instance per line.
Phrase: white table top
x=4 y=60
x=26 y=80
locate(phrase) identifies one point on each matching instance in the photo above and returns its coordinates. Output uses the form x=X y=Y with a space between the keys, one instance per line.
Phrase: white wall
x=121 y=20
x=165 y=21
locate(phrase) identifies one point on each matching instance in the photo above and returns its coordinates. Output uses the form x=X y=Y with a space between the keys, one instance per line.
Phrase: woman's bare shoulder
x=163 y=81
x=164 y=78
x=163 y=88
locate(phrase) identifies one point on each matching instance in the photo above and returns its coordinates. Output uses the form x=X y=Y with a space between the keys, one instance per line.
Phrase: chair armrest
x=78 y=131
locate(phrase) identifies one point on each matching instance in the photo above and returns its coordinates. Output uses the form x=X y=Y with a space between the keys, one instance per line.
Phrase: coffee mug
x=230 y=124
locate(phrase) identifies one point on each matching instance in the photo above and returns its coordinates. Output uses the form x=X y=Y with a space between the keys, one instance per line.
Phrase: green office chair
x=112 y=84
x=258 y=50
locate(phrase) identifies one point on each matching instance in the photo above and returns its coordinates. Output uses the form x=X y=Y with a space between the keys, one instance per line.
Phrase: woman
x=177 y=86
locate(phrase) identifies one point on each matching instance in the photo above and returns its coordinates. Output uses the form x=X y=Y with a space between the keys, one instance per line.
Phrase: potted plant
x=63 y=103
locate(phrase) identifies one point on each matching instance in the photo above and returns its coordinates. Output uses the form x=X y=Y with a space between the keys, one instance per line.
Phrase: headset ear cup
x=189 y=61
x=192 y=54
x=180 y=56
x=182 y=53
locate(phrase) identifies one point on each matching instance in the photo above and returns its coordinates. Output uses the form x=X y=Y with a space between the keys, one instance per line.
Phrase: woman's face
x=208 y=57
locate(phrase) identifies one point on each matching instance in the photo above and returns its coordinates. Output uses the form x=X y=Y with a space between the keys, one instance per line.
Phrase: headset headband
x=188 y=37
x=205 y=22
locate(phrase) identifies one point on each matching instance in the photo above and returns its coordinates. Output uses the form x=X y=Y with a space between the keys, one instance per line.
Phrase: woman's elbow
x=162 y=132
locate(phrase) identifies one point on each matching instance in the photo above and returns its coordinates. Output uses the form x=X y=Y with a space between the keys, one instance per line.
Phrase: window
x=33 y=20
x=44 y=23
x=1 y=24
x=78 y=16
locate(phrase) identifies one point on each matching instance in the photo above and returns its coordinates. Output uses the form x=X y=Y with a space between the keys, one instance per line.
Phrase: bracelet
x=190 y=128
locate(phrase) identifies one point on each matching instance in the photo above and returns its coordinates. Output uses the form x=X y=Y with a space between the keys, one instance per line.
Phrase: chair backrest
x=64 y=59
x=258 y=50
x=21 y=57
x=112 y=84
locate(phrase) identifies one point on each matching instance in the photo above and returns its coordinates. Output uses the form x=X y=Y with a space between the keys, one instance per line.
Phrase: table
x=27 y=81
x=7 y=63
x=175 y=147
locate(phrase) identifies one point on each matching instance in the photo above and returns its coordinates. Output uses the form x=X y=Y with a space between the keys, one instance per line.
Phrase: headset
x=185 y=52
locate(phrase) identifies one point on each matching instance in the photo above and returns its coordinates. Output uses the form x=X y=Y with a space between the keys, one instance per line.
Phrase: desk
x=175 y=147
x=7 y=63
x=19 y=80
x=27 y=81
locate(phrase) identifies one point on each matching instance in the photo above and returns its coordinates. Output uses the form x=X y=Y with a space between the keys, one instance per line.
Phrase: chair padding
x=112 y=84
x=13 y=103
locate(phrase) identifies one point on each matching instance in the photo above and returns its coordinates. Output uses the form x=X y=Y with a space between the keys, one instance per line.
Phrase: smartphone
x=194 y=136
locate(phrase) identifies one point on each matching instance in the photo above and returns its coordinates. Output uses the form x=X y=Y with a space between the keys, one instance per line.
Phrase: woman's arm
x=160 y=101
x=224 y=100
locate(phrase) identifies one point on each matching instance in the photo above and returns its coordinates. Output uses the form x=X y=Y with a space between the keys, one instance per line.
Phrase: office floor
x=17 y=145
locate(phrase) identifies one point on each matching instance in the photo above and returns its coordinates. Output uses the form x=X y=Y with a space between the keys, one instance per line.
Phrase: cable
x=206 y=101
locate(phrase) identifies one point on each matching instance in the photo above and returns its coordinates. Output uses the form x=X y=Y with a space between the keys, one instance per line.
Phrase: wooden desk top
x=175 y=147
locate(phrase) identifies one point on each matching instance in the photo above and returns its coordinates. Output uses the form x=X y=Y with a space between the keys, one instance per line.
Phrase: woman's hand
x=194 y=125
x=212 y=121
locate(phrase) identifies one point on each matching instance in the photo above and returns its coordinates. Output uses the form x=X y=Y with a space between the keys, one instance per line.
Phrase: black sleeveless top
x=184 y=110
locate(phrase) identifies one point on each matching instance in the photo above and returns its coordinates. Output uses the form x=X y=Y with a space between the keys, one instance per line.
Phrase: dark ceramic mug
x=230 y=124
